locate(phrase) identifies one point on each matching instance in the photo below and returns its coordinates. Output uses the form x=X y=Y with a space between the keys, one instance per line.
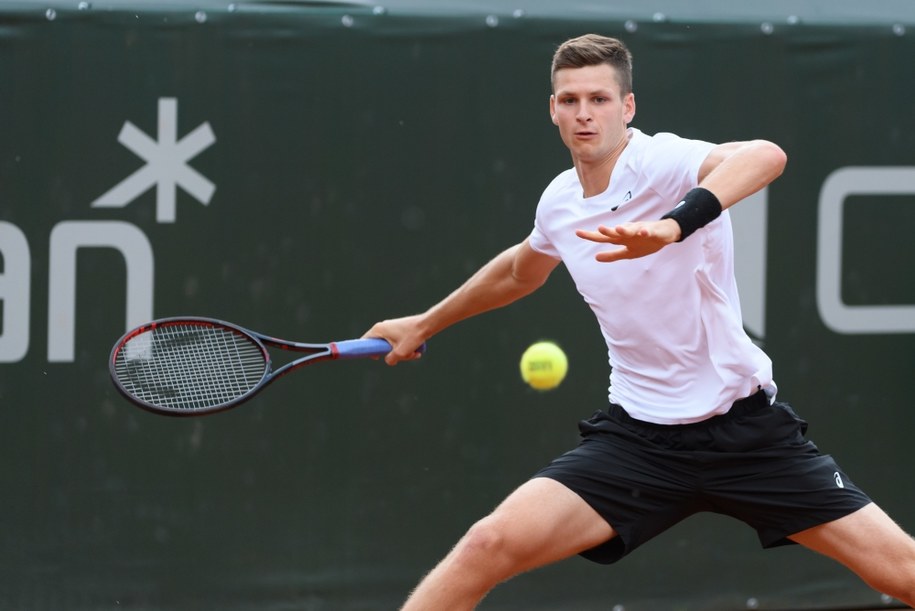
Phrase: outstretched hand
x=634 y=239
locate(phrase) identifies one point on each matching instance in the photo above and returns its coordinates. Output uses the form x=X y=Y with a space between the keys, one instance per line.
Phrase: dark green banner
x=308 y=169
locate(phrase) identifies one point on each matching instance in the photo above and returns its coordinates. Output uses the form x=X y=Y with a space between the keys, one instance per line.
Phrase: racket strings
x=190 y=366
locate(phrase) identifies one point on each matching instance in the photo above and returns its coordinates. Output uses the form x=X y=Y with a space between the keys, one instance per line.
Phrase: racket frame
x=314 y=353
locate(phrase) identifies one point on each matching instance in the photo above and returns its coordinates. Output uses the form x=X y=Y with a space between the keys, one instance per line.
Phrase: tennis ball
x=544 y=365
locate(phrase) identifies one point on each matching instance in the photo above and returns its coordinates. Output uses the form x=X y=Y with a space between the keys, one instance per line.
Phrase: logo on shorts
x=839 y=481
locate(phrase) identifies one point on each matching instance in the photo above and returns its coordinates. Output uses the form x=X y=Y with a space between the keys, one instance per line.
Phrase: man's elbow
x=771 y=156
x=526 y=284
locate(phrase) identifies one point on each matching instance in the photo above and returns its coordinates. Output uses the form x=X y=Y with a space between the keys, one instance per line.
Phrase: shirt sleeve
x=540 y=242
x=539 y=238
x=675 y=163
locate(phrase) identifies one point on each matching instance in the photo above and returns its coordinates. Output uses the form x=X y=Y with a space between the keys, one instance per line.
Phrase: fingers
x=393 y=358
x=617 y=234
x=592 y=236
x=404 y=346
x=635 y=240
x=607 y=235
x=609 y=256
x=603 y=234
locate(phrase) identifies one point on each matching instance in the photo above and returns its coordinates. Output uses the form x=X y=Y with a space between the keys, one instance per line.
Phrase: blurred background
x=308 y=168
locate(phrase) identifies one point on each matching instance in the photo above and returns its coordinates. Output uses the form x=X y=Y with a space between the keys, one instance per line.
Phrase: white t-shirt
x=671 y=320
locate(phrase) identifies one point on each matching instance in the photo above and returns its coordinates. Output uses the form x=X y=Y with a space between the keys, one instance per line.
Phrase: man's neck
x=594 y=175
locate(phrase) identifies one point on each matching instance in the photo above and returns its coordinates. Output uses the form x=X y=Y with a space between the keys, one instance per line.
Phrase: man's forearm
x=745 y=171
x=500 y=282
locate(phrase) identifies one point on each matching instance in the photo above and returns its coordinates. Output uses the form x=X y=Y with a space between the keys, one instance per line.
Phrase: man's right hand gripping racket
x=195 y=366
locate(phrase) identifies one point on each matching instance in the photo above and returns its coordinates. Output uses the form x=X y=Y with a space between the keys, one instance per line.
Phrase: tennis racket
x=194 y=366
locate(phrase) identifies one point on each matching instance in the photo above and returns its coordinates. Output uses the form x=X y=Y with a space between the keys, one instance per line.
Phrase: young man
x=692 y=424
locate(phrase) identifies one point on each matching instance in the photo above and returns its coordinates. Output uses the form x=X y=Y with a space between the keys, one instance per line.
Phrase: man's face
x=591 y=112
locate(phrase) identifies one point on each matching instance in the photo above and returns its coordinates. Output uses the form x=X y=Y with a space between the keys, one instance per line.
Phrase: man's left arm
x=729 y=173
x=736 y=170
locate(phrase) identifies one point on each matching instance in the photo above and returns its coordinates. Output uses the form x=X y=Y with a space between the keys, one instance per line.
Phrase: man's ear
x=553 y=110
x=629 y=107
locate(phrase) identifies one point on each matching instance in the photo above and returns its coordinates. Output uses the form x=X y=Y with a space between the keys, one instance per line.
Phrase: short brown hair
x=593 y=50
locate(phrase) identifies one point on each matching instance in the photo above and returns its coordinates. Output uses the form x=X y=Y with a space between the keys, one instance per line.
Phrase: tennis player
x=692 y=423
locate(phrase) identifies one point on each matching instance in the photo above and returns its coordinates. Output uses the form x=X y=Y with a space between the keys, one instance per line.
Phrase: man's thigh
x=543 y=521
x=867 y=541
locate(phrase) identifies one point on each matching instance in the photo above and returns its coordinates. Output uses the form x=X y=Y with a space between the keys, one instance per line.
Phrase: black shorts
x=752 y=463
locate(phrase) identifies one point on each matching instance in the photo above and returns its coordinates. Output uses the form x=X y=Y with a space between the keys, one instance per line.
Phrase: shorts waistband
x=757 y=400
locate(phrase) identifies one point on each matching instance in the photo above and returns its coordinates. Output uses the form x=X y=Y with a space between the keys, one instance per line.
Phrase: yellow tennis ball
x=544 y=365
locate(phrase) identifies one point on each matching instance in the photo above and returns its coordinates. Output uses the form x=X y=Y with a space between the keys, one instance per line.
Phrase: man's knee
x=483 y=540
x=487 y=549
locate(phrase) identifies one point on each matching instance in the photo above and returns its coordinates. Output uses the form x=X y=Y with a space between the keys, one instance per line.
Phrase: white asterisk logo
x=166 y=164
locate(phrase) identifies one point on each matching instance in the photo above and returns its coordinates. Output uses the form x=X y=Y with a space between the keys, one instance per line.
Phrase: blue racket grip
x=363 y=348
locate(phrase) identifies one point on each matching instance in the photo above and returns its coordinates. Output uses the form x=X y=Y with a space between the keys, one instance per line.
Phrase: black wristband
x=698 y=208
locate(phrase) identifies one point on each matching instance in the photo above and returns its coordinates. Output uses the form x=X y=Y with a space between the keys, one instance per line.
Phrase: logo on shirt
x=625 y=199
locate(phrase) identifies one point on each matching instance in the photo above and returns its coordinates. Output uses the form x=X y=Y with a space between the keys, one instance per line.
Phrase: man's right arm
x=511 y=275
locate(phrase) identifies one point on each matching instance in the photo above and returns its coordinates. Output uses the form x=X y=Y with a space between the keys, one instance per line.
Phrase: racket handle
x=362 y=348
